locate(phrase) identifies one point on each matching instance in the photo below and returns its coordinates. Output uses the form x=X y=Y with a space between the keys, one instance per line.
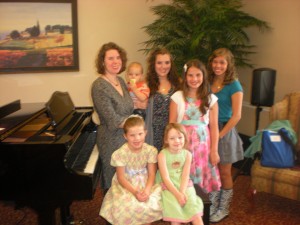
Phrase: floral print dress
x=202 y=172
x=160 y=119
x=119 y=206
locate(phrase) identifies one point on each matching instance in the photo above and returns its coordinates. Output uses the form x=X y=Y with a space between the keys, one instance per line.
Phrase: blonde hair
x=132 y=121
x=180 y=128
x=137 y=64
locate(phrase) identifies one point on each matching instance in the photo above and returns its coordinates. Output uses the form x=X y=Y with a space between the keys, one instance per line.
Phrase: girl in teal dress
x=179 y=199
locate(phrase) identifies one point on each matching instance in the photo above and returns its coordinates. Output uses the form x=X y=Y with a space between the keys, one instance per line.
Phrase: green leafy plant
x=195 y=28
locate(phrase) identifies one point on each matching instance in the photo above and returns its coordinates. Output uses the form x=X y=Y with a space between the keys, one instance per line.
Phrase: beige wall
x=278 y=49
x=101 y=21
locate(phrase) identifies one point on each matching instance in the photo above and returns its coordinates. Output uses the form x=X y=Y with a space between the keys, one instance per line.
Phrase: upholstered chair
x=281 y=182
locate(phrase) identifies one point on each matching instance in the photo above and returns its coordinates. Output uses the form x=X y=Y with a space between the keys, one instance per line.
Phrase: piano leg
x=65 y=215
x=46 y=214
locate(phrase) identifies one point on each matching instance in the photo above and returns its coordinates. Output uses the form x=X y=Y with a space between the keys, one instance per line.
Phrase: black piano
x=48 y=156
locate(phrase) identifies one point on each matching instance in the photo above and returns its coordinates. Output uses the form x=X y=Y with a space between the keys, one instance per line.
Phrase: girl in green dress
x=179 y=199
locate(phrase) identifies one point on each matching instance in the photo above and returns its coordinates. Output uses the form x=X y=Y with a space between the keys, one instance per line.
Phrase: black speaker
x=263 y=84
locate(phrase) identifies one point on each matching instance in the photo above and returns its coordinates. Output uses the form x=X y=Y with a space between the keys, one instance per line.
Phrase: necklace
x=116 y=84
x=218 y=86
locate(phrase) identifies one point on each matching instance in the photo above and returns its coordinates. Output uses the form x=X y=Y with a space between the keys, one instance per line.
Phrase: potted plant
x=194 y=28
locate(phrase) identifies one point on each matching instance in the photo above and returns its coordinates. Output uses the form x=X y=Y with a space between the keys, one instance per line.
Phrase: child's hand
x=146 y=194
x=214 y=158
x=181 y=198
x=142 y=196
x=132 y=84
x=186 y=198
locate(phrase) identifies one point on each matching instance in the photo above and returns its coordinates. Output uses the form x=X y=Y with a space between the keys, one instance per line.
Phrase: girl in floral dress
x=197 y=110
x=133 y=198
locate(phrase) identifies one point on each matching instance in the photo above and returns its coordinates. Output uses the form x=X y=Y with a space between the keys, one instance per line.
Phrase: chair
x=281 y=182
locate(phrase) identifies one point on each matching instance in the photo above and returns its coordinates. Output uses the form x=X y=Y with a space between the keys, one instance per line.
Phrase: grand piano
x=48 y=156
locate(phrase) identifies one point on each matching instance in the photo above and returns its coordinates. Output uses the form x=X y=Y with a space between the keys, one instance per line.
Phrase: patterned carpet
x=267 y=210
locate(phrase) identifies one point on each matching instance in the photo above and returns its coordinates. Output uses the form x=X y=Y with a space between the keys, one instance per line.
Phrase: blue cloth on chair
x=256 y=141
x=276 y=152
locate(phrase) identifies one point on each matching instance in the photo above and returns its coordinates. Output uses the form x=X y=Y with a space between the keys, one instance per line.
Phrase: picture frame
x=38 y=36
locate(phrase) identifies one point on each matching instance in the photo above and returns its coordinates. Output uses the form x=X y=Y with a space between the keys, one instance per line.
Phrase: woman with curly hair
x=225 y=85
x=163 y=81
x=113 y=105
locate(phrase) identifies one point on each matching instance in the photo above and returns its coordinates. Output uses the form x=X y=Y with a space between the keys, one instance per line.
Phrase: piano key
x=79 y=154
x=91 y=164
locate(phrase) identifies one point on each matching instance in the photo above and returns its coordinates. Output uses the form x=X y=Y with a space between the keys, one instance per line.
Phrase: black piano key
x=78 y=155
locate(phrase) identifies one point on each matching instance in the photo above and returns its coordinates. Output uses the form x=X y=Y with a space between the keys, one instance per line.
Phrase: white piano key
x=91 y=164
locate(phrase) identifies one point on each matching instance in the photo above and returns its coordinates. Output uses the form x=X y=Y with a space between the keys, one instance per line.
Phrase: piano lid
x=10 y=108
x=19 y=115
x=59 y=107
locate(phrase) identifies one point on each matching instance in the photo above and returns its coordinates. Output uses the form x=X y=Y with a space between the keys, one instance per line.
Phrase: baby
x=137 y=87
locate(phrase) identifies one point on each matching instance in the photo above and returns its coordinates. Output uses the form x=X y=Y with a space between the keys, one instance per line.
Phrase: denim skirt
x=230 y=146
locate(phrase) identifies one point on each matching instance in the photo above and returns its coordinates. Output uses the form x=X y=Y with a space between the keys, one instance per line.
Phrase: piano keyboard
x=82 y=152
x=91 y=164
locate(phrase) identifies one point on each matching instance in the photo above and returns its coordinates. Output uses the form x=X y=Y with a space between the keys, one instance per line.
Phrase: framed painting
x=38 y=36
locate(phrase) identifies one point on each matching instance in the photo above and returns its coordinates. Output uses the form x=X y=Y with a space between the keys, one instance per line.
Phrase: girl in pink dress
x=197 y=109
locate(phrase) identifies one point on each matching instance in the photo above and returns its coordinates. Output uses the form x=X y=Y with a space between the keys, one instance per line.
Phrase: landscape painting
x=38 y=36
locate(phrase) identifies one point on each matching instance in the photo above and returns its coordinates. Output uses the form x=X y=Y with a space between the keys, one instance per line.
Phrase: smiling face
x=135 y=137
x=194 y=78
x=162 y=65
x=112 y=62
x=175 y=140
x=219 y=66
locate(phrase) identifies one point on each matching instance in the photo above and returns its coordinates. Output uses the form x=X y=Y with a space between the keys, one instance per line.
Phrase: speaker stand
x=258 y=110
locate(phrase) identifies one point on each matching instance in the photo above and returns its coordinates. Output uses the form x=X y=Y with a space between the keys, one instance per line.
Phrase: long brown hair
x=152 y=78
x=203 y=90
x=230 y=74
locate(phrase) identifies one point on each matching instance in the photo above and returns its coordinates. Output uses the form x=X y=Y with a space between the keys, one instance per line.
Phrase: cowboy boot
x=223 y=211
